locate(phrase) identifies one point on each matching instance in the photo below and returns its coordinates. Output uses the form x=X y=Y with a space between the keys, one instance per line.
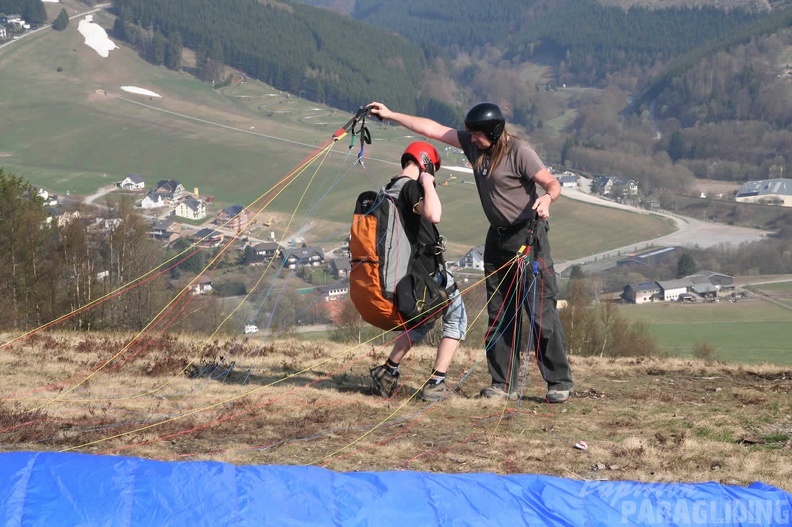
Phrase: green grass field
x=62 y=132
x=750 y=331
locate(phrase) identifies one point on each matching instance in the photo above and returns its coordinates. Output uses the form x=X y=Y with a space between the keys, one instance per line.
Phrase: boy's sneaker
x=496 y=391
x=557 y=396
x=384 y=381
x=434 y=392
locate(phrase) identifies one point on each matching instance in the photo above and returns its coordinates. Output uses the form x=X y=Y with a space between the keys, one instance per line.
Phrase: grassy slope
x=61 y=134
x=663 y=420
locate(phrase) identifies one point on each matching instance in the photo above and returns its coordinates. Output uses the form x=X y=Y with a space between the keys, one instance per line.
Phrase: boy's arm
x=429 y=207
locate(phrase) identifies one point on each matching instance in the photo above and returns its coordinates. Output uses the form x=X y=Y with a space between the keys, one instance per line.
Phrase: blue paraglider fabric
x=67 y=489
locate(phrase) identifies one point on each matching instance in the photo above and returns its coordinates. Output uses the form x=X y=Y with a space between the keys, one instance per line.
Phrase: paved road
x=691 y=233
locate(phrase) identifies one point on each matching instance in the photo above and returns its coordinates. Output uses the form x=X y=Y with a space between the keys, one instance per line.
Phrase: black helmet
x=424 y=155
x=487 y=118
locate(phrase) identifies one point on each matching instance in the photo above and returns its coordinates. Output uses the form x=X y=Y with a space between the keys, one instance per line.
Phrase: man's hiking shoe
x=434 y=392
x=557 y=396
x=496 y=391
x=384 y=381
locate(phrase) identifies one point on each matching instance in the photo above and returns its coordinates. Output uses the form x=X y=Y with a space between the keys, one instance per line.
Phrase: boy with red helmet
x=420 y=209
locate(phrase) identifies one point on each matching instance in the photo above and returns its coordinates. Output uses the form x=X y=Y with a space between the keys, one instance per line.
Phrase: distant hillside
x=332 y=59
x=588 y=39
x=346 y=6
x=755 y=5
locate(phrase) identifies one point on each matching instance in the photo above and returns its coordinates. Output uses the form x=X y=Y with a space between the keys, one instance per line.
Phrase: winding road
x=690 y=232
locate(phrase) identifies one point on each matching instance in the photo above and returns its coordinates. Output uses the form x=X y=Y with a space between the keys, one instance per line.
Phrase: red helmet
x=423 y=154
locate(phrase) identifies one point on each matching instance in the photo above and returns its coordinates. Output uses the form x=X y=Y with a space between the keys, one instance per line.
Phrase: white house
x=152 y=201
x=333 y=292
x=641 y=292
x=568 y=179
x=191 y=208
x=474 y=259
x=202 y=286
x=297 y=257
x=13 y=20
x=132 y=182
x=673 y=288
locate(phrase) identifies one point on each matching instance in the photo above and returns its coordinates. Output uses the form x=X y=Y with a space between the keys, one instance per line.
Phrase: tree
x=61 y=22
x=686 y=266
x=158 y=49
x=173 y=52
x=576 y=273
x=35 y=12
x=580 y=325
x=129 y=255
x=676 y=146
x=349 y=323
x=27 y=245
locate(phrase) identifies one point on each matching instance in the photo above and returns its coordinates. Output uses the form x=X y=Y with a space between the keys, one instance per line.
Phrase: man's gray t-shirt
x=508 y=193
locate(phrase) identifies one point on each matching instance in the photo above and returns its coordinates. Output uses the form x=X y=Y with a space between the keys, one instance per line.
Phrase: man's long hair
x=497 y=152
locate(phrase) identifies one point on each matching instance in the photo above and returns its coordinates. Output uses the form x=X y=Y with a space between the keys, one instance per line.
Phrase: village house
x=202 y=286
x=207 y=238
x=169 y=189
x=234 y=217
x=474 y=259
x=568 y=179
x=267 y=250
x=333 y=292
x=14 y=20
x=132 y=182
x=607 y=185
x=671 y=289
x=165 y=230
x=339 y=268
x=641 y=292
x=263 y=253
x=191 y=208
x=152 y=201
x=299 y=256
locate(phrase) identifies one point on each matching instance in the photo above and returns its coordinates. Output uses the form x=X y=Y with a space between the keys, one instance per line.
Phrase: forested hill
x=591 y=40
x=331 y=58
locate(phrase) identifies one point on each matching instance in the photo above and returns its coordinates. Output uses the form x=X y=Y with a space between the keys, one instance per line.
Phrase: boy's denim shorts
x=454 y=317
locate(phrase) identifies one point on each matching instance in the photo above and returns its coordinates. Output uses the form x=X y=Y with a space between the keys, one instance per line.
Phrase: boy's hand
x=426 y=176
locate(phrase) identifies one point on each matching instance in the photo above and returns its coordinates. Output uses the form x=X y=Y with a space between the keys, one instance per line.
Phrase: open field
x=780 y=293
x=752 y=330
x=287 y=402
x=68 y=127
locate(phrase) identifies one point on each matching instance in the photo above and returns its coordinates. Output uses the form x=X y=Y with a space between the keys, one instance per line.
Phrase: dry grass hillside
x=309 y=403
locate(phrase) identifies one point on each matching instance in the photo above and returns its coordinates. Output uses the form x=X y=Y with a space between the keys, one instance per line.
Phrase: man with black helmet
x=419 y=207
x=507 y=171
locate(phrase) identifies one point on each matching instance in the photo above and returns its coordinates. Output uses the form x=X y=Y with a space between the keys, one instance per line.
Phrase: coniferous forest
x=333 y=59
